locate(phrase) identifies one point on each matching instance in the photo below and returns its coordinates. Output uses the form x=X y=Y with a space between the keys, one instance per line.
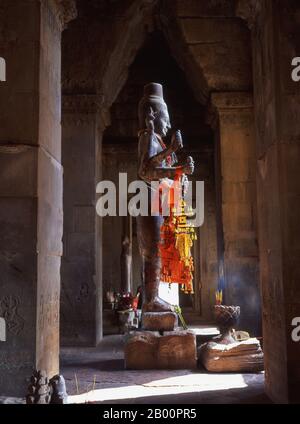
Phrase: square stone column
x=81 y=296
x=237 y=203
x=31 y=213
x=103 y=121
x=275 y=42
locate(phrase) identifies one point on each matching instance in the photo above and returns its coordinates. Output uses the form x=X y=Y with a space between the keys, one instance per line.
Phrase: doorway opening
x=119 y=148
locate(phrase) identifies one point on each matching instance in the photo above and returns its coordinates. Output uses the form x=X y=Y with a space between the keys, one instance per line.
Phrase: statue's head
x=153 y=109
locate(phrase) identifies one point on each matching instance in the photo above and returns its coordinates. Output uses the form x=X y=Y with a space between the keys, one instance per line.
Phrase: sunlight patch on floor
x=192 y=383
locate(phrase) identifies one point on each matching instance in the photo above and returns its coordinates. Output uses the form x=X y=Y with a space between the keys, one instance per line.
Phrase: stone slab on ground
x=173 y=350
x=159 y=321
x=245 y=356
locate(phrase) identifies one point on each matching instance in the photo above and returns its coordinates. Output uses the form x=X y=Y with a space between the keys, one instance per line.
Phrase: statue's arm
x=176 y=143
x=149 y=160
x=159 y=157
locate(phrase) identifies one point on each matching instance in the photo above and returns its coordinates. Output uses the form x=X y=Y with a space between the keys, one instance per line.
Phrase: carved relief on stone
x=44 y=391
x=9 y=311
x=240 y=118
x=78 y=120
x=234 y=108
x=39 y=390
x=82 y=103
x=232 y=100
x=83 y=293
x=16 y=360
x=81 y=109
x=65 y=11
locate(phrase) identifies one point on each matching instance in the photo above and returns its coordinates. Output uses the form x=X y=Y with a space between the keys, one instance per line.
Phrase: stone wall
x=238 y=206
x=78 y=294
x=19 y=158
x=31 y=190
x=275 y=31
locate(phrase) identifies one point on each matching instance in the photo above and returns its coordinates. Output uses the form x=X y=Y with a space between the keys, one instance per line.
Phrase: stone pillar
x=275 y=42
x=103 y=121
x=238 y=205
x=30 y=188
x=79 y=289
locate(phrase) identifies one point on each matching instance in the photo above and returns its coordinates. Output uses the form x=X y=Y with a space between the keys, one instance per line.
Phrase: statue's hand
x=176 y=141
x=185 y=184
x=189 y=167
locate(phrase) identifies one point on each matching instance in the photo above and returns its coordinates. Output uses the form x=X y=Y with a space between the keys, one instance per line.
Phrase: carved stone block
x=140 y=351
x=159 y=321
x=177 y=350
x=174 y=350
x=246 y=356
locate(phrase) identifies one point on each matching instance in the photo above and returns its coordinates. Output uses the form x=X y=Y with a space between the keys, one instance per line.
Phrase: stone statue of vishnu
x=156 y=162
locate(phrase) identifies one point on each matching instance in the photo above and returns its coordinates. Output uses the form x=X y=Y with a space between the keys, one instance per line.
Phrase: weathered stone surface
x=47 y=325
x=18 y=170
x=31 y=220
x=278 y=191
x=50 y=204
x=221 y=48
x=174 y=350
x=77 y=302
x=238 y=205
x=159 y=321
x=177 y=350
x=192 y=8
x=141 y=351
x=245 y=356
x=78 y=296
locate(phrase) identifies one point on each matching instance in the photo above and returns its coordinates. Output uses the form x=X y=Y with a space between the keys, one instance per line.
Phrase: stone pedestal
x=159 y=321
x=245 y=356
x=149 y=350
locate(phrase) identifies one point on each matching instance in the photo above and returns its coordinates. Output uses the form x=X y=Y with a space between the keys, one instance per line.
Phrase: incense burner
x=226 y=317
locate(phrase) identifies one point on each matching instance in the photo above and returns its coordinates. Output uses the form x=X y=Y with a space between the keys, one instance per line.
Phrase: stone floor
x=97 y=375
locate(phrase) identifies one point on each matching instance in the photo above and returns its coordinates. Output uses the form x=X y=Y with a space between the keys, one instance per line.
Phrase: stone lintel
x=81 y=103
x=232 y=100
x=84 y=109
